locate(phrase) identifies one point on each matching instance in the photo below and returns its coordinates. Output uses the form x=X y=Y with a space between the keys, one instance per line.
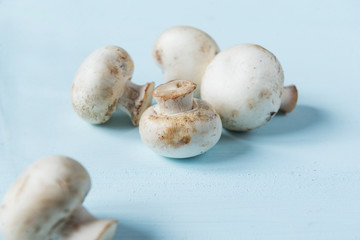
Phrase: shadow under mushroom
x=302 y=118
x=228 y=149
x=127 y=232
x=119 y=120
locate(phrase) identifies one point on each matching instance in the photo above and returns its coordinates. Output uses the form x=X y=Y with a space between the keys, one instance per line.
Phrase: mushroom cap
x=173 y=89
x=42 y=198
x=244 y=84
x=183 y=52
x=181 y=135
x=100 y=82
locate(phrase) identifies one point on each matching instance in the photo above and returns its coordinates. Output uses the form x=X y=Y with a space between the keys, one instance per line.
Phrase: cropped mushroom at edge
x=102 y=84
x=45 y=202
x=183 y=52
x=245 y=86
x=179 y=126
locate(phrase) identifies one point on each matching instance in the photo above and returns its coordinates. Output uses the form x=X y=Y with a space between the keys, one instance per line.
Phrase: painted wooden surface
x=298 y=177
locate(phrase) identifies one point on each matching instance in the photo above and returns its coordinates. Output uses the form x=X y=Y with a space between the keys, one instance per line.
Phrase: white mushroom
x=102 y=84
x=245 y=86
x=184 y=52
x=45 y=202
x=179 y=126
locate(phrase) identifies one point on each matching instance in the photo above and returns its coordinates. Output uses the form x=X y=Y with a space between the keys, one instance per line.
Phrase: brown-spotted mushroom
x=103 y=84
x=179 y=126
x=45 y=202
x=183 y=52
x=245 y=86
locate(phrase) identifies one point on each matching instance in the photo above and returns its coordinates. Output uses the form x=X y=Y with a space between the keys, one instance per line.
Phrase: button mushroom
x=179 y=126
x=103 y=84
x=45 y=202
x=245 y=86
x=184 y=52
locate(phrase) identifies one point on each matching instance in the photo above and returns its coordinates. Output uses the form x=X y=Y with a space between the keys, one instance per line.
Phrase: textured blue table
x=296 y=178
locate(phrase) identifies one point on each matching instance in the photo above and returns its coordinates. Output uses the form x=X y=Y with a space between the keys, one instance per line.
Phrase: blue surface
x=296 y=178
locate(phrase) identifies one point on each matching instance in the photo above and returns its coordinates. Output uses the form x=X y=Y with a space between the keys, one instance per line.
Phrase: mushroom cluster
x=243 y=86
x=45 y=202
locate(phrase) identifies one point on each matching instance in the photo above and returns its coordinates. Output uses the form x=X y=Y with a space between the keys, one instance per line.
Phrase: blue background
x=298 y=177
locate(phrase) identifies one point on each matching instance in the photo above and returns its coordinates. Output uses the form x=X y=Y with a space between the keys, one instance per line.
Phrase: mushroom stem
x=82 y=225
x=175 y=96
x=135 y=100
x=289 y=99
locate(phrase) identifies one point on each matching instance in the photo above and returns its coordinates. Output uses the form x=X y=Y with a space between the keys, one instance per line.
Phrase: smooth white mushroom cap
x=244 y=84
x=42 y=198
x=183 y=52
x=179 y=126
x=100 y=82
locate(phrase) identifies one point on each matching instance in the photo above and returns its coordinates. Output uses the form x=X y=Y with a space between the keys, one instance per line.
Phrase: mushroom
x=245 y=86
x=103 y=84
x=45 y=202
x=179 y=126
x=183 y=52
